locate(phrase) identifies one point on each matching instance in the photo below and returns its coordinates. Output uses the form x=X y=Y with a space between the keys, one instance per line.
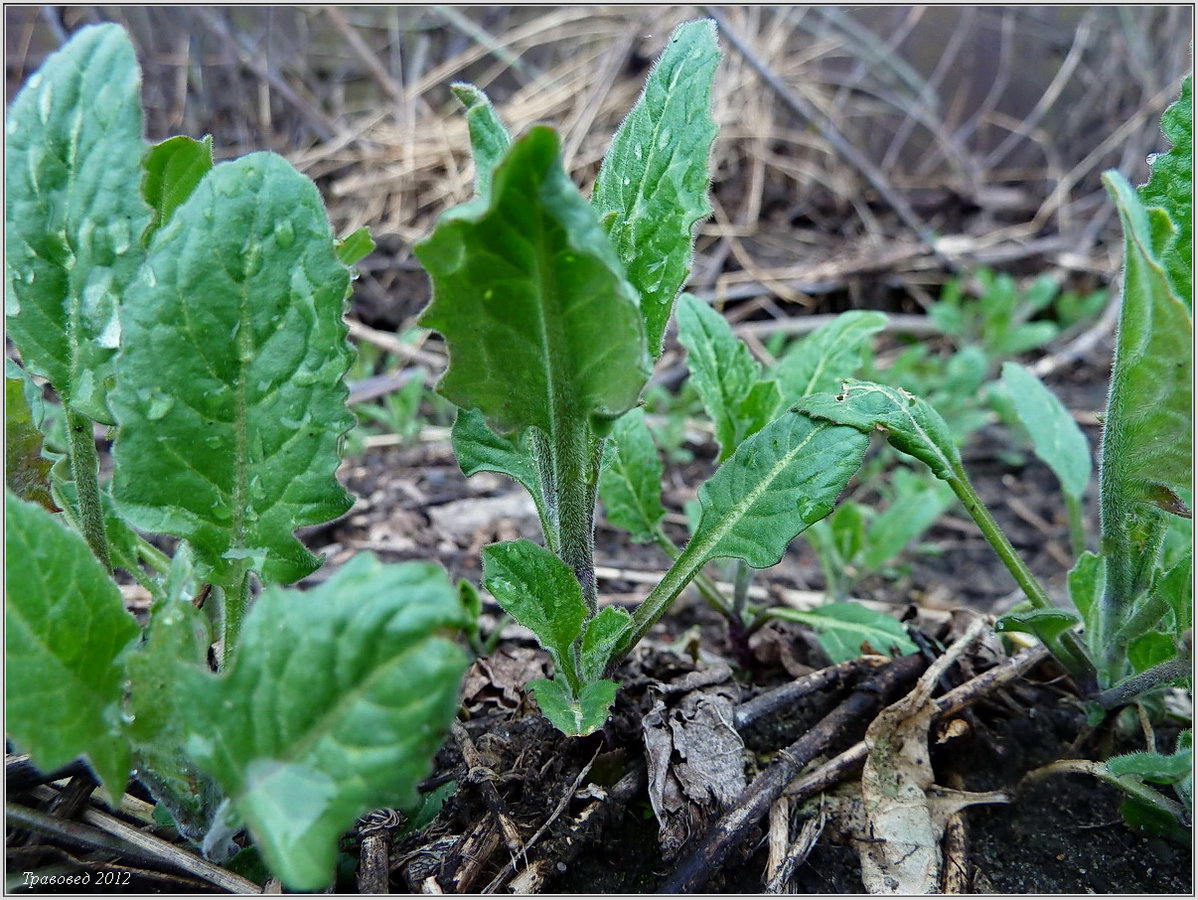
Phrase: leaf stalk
x=85 y=470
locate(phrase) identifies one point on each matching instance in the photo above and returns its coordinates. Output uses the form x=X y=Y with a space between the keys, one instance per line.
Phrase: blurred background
x=866 y=154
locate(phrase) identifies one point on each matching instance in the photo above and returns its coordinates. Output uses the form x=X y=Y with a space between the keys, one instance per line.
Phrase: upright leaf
x=602 y=636
x=1086 y=580
x=74 y=213
x=231 y=400
x=26 y=471
x=910 y=424
x=173 y=168
x=1055 y=436
x=1146 y=446
x=630 y=485
x=822 y=360
x=722 y=369
x=543 y=329
x=489 y=140
x=655 y=174
x=1171 y=187
x=334 y=705
x=66 y=631
x=575 y=715
x=778 y=482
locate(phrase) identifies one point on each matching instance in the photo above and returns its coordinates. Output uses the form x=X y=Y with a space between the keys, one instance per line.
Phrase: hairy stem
x=237 y=602
x=707 y=587
x=740 y=590
x=85 y=470
x=679 y=575
x=1162 y=673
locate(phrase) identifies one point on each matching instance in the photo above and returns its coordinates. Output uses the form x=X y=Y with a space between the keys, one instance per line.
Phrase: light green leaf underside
x=1146 y=450
x=479 y=449
x=842 y=629
x=1171 y=187
x=910 y=424
x=630 y=485
x=231 y=400
x=822 y=360
x=1055 y=436
x=489 y=140
x=334 y=705
x=542 y=327
x=173 y=168
x=74 y=213
x=722 y=370
x=603 y=635
x=575 y=716
x=26 y=471
x=1085 y=588
x=66 y=630
x=655 y=174
x=778 y=482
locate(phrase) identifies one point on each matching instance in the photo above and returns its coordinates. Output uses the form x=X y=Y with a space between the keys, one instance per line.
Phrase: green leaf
x=334 y=705
x=655 y=174
x=231 y=400
x=172 y=168
x=1055 y=436
x=910 y=424
x=602 y=636
x=842 y=629
x=1171 y=187
x=1046 y=624
x=73 y=213
x=1146 y=650
x=776 y=484
x=914 y=510
x=541 y=593
x=479 y=449
x=722 y=369
x=66 y=631
x=630 y=484
x=1176 y=587
x=1156 y=767
x=542 y=327
x=1146 y=449
x=833 y=352
x=489 y=140
x=1086 y=582
x=26 y=471
x=179 y=637
x=582 y=716
x=354 y=248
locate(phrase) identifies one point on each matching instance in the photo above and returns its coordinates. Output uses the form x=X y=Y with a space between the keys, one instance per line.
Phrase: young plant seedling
x=198 y=309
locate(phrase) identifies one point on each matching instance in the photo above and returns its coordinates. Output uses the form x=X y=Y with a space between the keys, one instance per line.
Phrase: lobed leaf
x=1055 y=436
x=489 y=139
x=231 y=400
x=73 y=213
x=1171 y=187
x=823 y=359
x=776 y=484
x=655 y=174
x=26 y=471
x=1147 y=460
x=334 y=705
x=845 y=629
x=173 y=169
x=630 y=484
x=66 y=632
x=910 y=424
x=576 y=716
x=542 y=326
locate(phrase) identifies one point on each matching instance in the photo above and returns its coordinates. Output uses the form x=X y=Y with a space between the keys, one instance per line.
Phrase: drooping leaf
x=172 y=169
x=335 y=702
x=355 y=247
x=543 y=329
x=1171 y=187
x=1046 y=624
x=66 y=631
x=73 y=213
x=231 y=400
x=26 y=471
x=575 y=716
x=844 y=628
x=541 y=593
x=602 y=636
x=479 y=449
x=489 y=140
x=178 y=637
x=630 y=485
x=721 y=367
x=1055 y=435
x=655 y=174
x=910 y=424
x=776 y=484
x=833 y=352
x=1146 y=447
